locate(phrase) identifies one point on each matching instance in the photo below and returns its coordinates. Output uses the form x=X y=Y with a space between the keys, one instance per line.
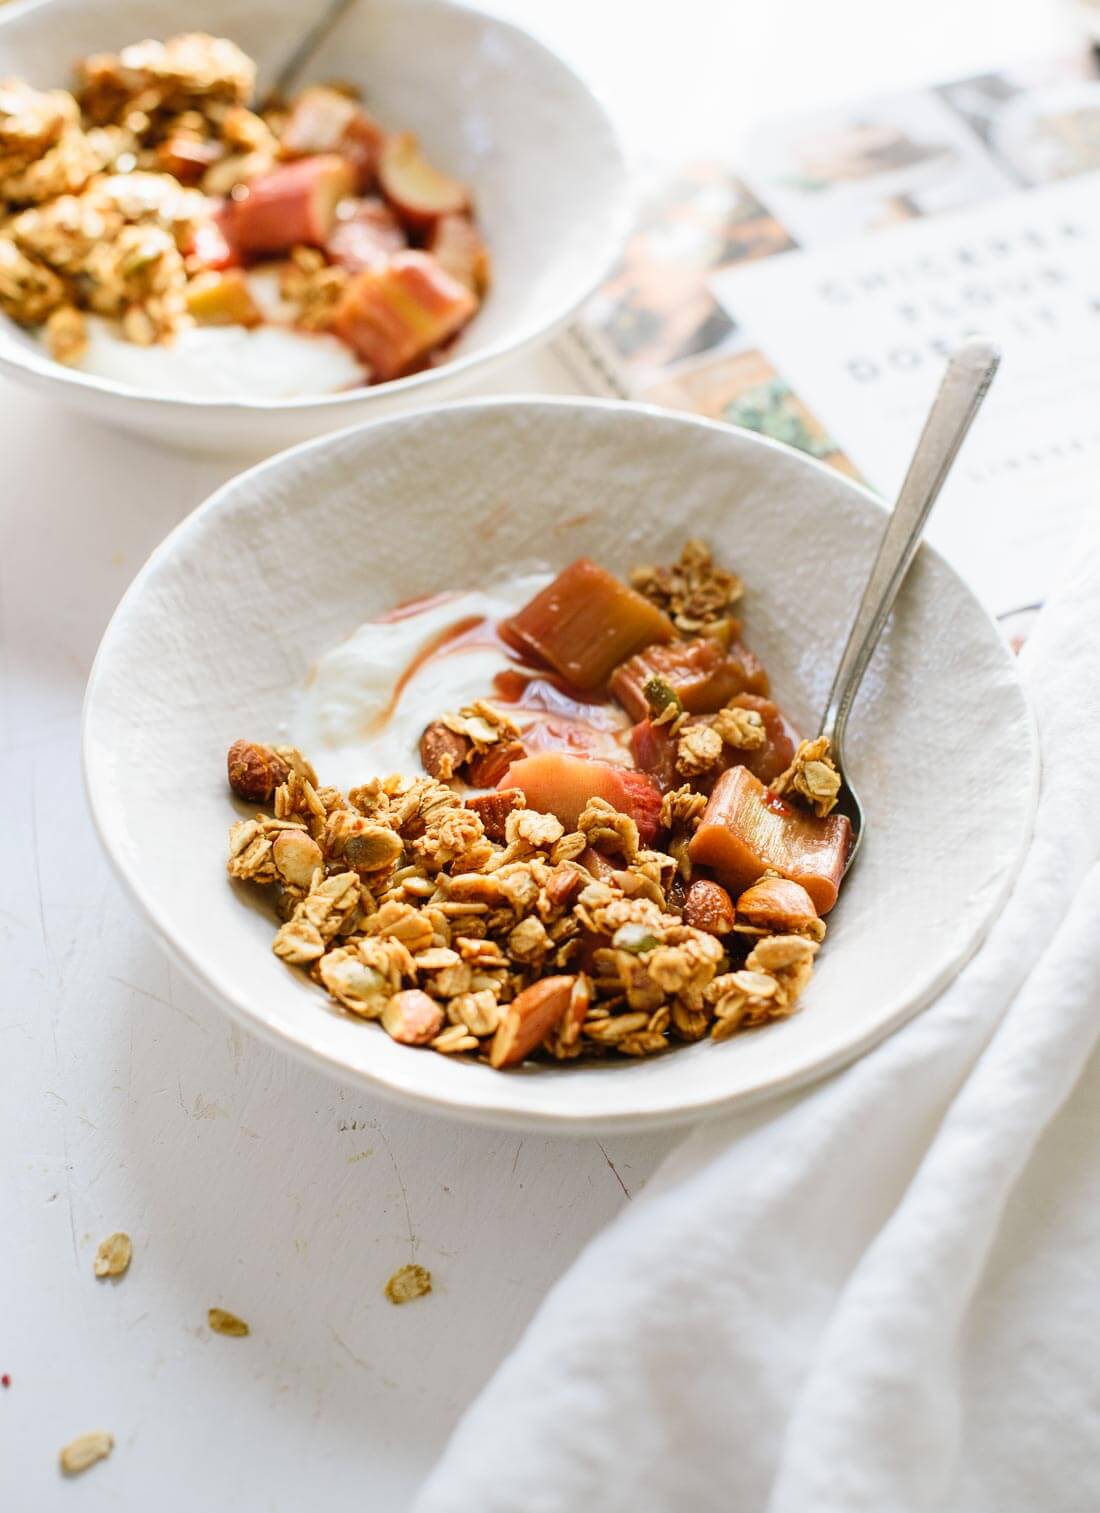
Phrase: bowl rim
x=23 y=360
x=476 y=1108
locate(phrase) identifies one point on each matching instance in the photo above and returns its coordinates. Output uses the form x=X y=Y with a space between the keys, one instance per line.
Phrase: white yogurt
x=224 y=362
x=344 y=722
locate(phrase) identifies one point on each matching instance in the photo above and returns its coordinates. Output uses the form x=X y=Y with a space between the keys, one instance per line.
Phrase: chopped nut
x=698 y=750
x=85 y=1450
x=255 y=771
x=813 y=776
x=407 y=1283
x=494 y=808
x=709 y=907
x=223 y=1322
x=443 y=751
x=113 y=1256
x=412 y=1017
x=776 y=903
x=533 y=1014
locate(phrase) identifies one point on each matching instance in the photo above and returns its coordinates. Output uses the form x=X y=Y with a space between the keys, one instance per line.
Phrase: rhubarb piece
x=325 y=121
x=654 y=750
x=747 y=831
x=778 y=905
x=366 y=234
x=701 y=673
x=293 y=206
x=585 y=623
x=394 y=315
x=209 y=245
x=559 y=783
x=560 y=733
x=534 y=1013
x=222 y=299
x=458 y=246
x=418 y=192
x=493 y=809
x=709 y=907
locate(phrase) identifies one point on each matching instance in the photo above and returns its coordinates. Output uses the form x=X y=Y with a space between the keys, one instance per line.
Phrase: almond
x=442 y=751
x=777 y=903
x=533 y=1014
x=709 y=907
x=487 y=769
x=493 y=809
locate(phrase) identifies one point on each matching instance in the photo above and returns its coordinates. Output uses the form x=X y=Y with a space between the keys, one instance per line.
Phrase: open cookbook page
x=812 y=294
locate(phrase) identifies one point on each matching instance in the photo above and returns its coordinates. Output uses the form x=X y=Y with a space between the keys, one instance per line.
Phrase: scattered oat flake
x=113 y=1256
x=85 y=1450
x=408 y=1283
x=223 y=1322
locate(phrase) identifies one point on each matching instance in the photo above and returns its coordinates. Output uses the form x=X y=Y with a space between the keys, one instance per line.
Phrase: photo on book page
x=860 y=168
x=1042 y=120
x=742 y=388
x=656 y=308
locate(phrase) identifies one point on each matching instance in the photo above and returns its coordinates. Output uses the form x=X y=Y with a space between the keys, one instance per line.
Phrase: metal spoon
x=302 y=52
x=965 y=384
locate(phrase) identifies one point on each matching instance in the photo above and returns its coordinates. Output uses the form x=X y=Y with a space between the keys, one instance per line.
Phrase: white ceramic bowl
x=490 y=104
x=218 y=631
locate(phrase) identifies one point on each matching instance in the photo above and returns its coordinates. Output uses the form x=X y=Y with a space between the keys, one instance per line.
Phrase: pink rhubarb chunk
x=559 y=783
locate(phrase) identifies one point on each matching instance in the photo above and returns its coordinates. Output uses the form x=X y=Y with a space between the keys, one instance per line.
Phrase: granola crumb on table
x=468 y=922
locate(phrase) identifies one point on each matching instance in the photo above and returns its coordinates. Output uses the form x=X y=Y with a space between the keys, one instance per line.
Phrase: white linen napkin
x=884 y=1293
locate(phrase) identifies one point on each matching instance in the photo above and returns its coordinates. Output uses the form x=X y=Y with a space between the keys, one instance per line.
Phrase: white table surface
x=130 y=1101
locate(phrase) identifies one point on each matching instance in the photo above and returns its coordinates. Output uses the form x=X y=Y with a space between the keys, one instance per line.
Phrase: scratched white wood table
x=130 y=1101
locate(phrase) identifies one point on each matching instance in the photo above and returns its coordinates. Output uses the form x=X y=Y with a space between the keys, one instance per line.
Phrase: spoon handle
x=963 y=387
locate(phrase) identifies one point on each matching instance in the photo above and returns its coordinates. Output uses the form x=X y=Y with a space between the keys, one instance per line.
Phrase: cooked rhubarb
x=395 y=314
x=654 y=750
x=366 y=234
x=703 y=675
x=325 y=121
x=292 y=206
x=559 y=783
x=746 y=830
x=585 y=623
x=418 y=192
x=781 y=739
x=458 y=245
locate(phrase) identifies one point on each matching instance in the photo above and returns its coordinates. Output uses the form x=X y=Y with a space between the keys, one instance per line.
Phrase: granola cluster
x=476 y=924
x=693 y=592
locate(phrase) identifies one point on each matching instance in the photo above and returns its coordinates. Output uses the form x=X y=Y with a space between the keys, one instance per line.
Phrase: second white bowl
x=491 y=105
